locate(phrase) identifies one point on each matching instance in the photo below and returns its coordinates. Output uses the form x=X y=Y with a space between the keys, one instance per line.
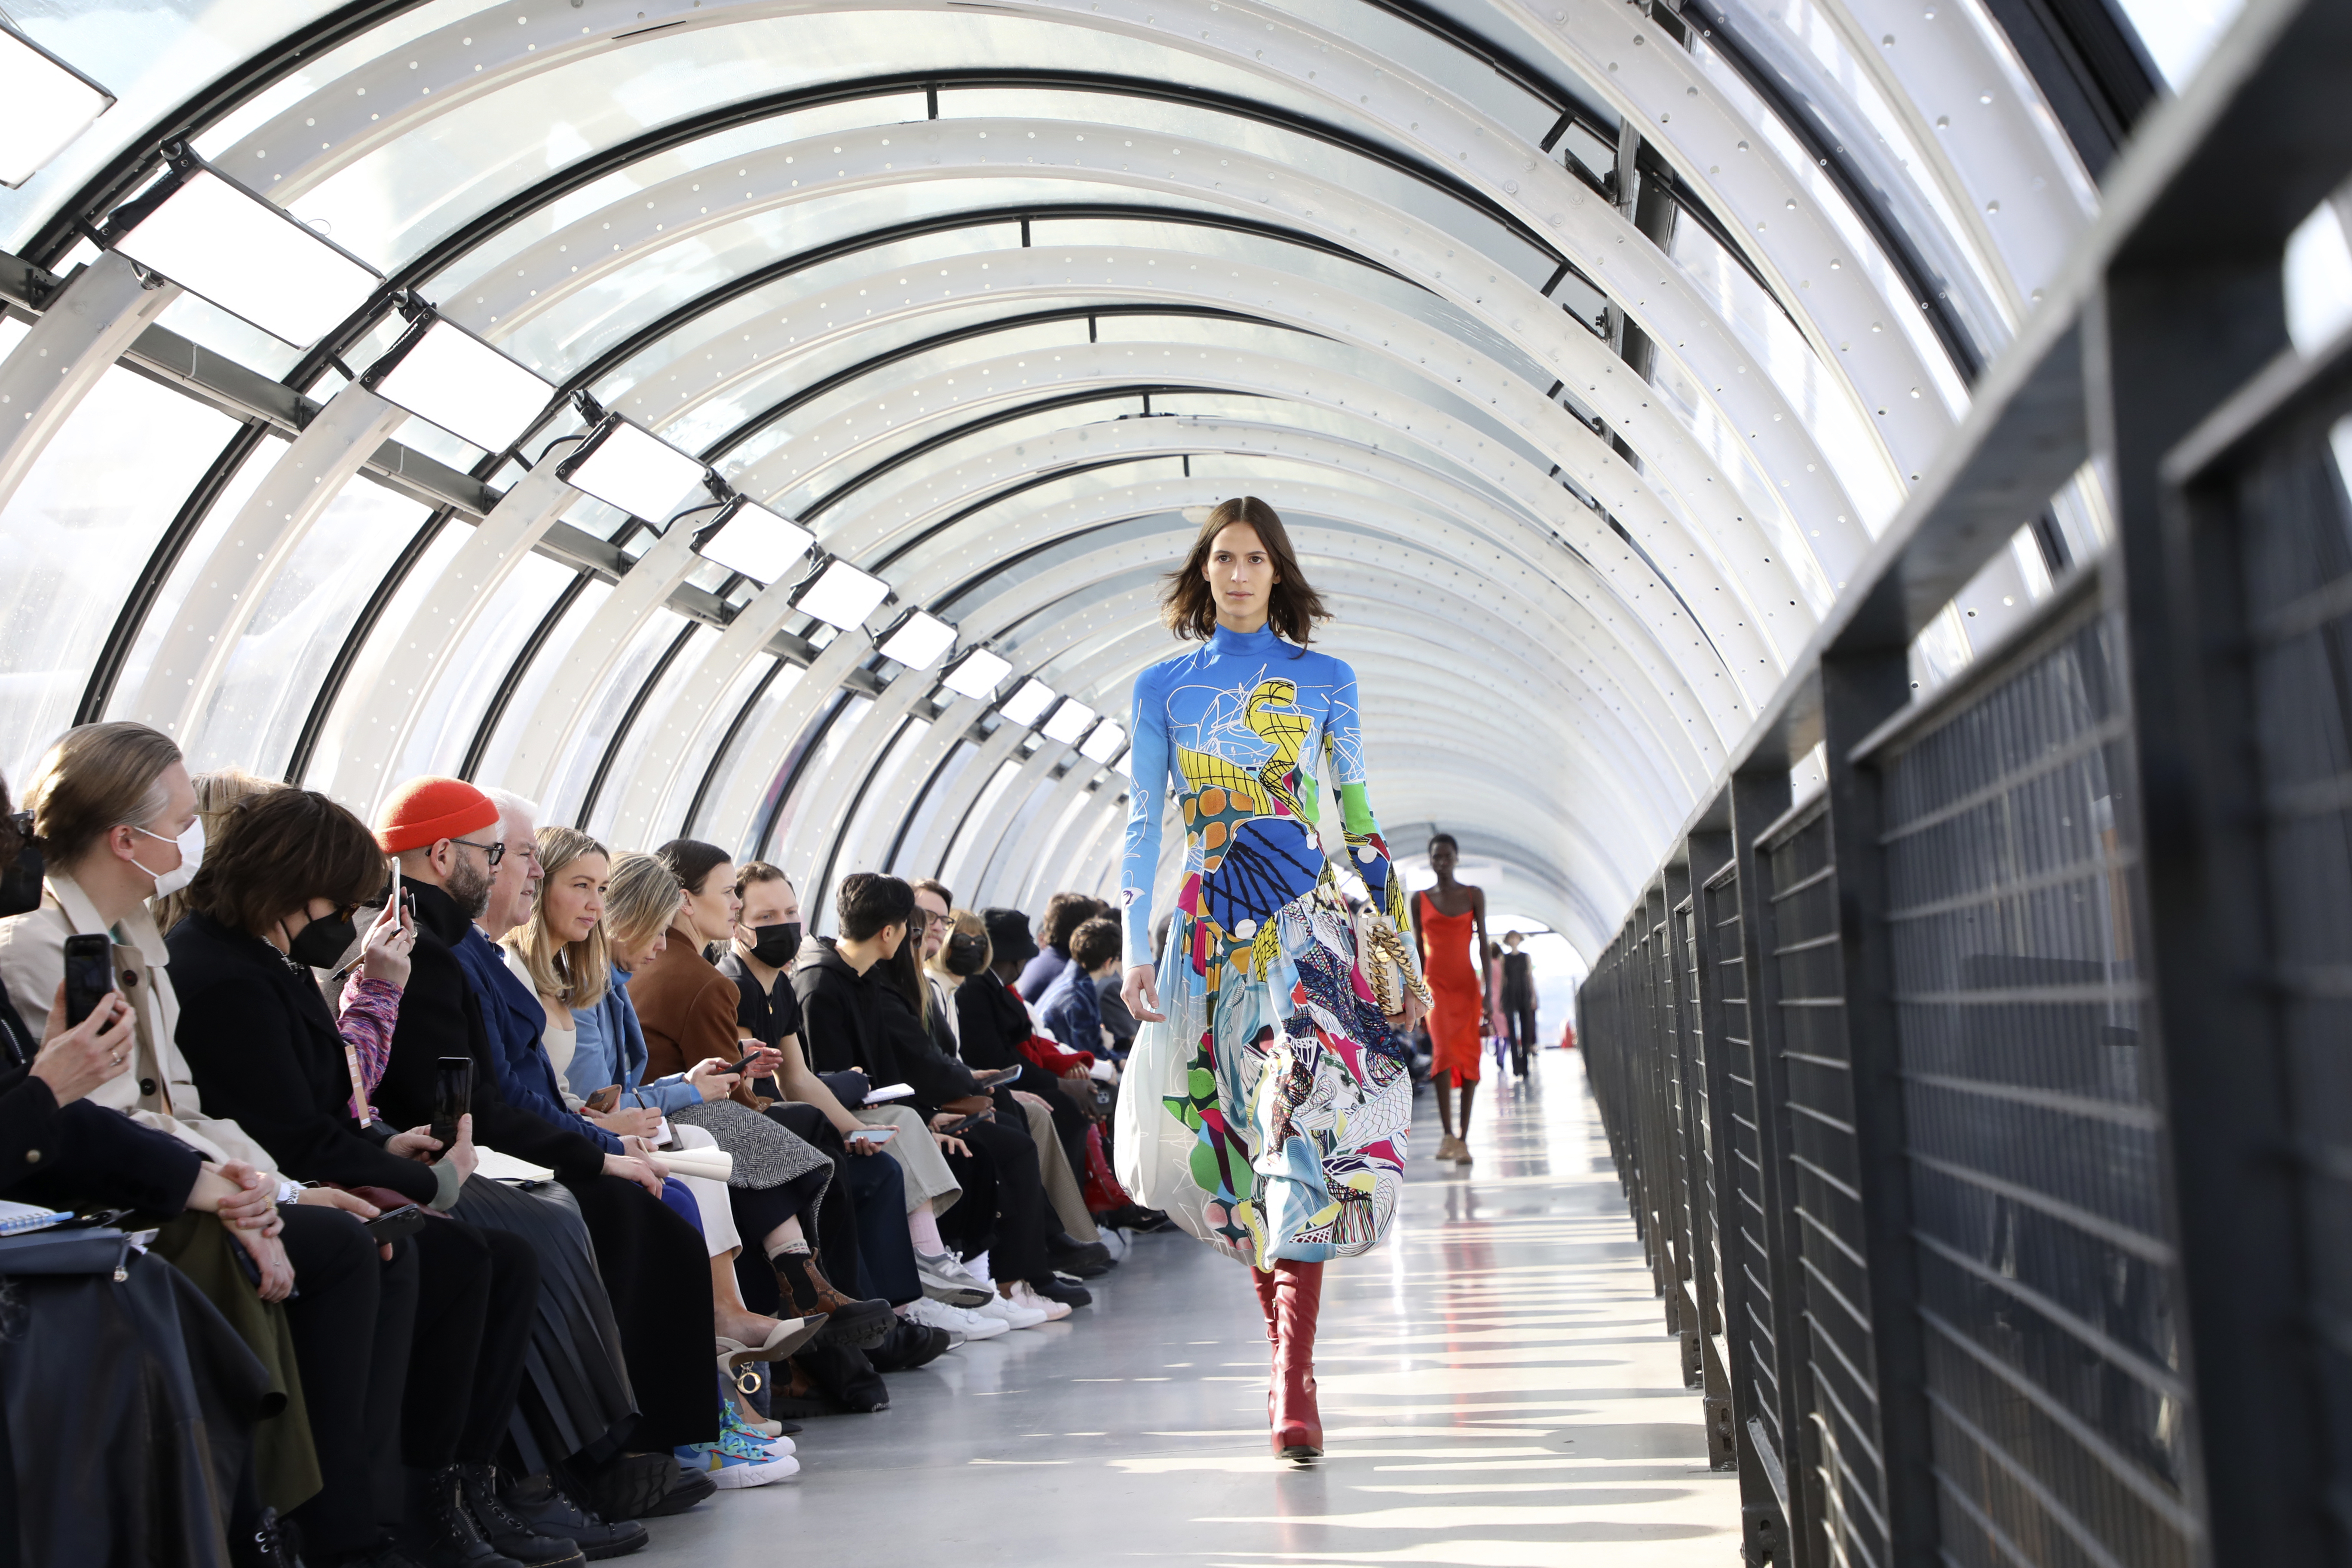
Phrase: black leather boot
x=507 y=1531
x=441 y=1530
x=548 y=1509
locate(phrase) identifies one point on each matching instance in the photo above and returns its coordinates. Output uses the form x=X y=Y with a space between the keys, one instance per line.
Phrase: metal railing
x=1987 y=1115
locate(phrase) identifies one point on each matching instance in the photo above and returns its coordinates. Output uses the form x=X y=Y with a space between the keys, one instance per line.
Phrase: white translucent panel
x=677 y=746
x=841 y=595
x=1106 y=742
x=657 y=718
x=1069 y=721
x=1034 y=893
x=737 y=747
x=2319 y=278
x=44 y=104
x=648 y=283
x=12 y=333
x=149 y=55
x=601 y=715
x=255 y=711
x=977 y=674
x=758 y=543
x=881 y=806
x=216 y=239
x=1028 y=704
x=353 y=722
x=920 y=641
x=78 y=534
x=464 y=385
x=813 y=753
x=978 y=830
x=506 y=734
x=454 y=710
x=1474 y=79
x=907 y=858
x=1821 y=400
x=624 y=467
x=2179 y=34
x=194 y=556
x=1492 y=242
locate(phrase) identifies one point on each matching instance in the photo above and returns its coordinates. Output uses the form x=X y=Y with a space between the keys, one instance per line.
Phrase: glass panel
x=77 y=535
x=382 y=643
x=603 y=715
x=703 y=820
x=881 y=808
x=979 y=824
x=658 y=718
x=267 y=688
x=150 y=54
x=506 y=733
x=904 y=857
x=479 y=663
x=790 y=841
x=184 y=572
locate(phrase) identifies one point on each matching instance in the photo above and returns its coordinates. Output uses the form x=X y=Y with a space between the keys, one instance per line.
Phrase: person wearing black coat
x=654 y=1266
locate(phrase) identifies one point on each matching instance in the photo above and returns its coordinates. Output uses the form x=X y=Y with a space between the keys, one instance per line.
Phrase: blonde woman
x=778 y=1179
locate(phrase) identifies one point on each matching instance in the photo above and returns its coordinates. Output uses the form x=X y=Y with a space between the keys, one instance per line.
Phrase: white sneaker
x=945 y=1278
x=1024 y=1296
x=1011 y=1313
x=973 y=1323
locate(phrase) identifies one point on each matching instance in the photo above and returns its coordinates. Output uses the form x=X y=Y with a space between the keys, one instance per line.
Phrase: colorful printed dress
x=1286 y=1096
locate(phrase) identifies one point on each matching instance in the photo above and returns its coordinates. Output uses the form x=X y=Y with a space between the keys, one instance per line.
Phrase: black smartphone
x=90 y=974
x=741 y=1062
x=394 y=1224
x=453 y=1096
x=952 y=1128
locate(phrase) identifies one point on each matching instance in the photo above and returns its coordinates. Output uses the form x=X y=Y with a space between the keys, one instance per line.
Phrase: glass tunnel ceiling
x=993 y=299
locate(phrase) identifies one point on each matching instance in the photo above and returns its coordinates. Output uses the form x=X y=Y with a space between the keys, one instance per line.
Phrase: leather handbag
x=1387 y=961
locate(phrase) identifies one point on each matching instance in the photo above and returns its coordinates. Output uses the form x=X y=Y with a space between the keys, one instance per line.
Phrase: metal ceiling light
x=243 y=252
x=1028 y=704
x=750 y=539
x=443 y=374
x=1069 y=721
x=1104 y=743
x=44 y=103
x=841 y=595
x=625 y=467
x=920 y=641
x=977 y=674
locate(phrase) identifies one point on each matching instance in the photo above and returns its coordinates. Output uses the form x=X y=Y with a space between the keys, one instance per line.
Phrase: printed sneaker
x=732 y=1464
x=731 y=1424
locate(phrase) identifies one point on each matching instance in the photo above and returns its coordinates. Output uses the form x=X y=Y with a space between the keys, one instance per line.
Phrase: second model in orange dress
x=1457 y=1002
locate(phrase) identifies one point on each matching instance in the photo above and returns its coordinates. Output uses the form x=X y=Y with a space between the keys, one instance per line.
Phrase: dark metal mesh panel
x=1824 y=1182
x=1706 y=1249
x=2047 y=1275
x=1745 y=1248
x=2296 y=522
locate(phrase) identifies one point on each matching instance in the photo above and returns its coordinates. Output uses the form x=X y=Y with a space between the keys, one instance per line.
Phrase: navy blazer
x=516 y=1024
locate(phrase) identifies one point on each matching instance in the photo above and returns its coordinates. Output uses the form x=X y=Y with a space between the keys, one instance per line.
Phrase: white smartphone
x=875 y=1135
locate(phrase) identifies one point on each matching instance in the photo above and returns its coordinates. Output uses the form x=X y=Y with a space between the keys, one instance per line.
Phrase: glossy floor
x=1498 y=1388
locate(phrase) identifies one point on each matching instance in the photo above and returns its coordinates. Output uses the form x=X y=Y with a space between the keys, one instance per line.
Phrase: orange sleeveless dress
x=1456 y=999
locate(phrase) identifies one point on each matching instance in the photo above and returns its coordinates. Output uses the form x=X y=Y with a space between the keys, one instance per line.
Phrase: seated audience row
x=452 y=1133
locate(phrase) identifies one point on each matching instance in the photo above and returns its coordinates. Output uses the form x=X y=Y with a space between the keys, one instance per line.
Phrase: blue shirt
x=1073 y=1009
x=611 y=1050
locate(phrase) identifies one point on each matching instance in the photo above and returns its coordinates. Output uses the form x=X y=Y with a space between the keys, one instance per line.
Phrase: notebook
x=887 y=1093
x=17 y=1218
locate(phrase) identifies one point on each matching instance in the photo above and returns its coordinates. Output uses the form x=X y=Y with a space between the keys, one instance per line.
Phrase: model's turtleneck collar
x=1260 y=642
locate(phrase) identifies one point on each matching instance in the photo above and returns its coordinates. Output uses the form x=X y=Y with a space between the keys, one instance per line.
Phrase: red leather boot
x=1298 y=1297
x=1263 y=1278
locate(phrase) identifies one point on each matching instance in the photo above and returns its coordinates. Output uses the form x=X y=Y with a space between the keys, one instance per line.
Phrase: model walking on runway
x=1265 y=1108
x=1447 y=920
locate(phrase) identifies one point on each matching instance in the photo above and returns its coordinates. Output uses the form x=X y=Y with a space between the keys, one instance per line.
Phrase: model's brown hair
x=1291 y=609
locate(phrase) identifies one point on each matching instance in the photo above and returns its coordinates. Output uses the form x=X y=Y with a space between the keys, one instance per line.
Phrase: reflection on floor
x=1498 y=1388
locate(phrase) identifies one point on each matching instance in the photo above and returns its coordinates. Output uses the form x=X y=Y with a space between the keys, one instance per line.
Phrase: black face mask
x=20 y=885
x=965 y=955
x=776 y=944
x=322 y=944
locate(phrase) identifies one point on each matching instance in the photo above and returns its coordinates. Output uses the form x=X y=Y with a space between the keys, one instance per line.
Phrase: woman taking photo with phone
x=1293 y=1153
x=274 y=900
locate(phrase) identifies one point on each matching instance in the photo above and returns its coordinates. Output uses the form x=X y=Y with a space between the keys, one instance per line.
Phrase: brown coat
x=687 y=1008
